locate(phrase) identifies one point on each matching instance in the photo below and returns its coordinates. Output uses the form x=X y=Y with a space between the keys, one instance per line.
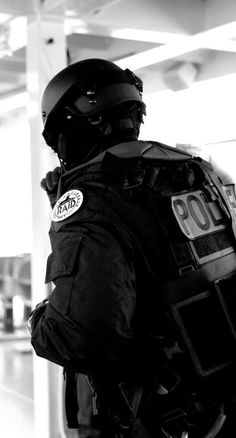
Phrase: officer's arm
x=88 y=319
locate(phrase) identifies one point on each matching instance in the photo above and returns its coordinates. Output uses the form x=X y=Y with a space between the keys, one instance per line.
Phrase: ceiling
x=169 y=43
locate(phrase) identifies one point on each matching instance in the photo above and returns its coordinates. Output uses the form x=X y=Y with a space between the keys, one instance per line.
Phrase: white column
x=46 y=55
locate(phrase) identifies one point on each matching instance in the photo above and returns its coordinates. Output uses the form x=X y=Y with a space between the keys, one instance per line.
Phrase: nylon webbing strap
x=71 y=402
x=212 y=178
x=136 y=401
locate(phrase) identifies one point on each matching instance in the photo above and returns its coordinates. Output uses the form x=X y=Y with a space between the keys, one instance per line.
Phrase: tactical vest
x=195 y=260
x=183 y=221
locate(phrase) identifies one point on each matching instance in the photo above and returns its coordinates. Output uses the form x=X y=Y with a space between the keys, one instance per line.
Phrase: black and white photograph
x=118 y=219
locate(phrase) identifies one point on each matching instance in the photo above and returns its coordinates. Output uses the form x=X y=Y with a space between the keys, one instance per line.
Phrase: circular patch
x=68 y=204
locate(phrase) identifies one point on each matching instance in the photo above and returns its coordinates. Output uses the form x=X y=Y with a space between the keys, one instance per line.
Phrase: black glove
x=35 y=316
x=50 y=184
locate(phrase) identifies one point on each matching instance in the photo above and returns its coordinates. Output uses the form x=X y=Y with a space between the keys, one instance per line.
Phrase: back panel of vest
x=198 y=275
x=190 y=247
x=184 y=228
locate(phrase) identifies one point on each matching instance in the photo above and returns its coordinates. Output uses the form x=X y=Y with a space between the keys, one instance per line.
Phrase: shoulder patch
x=67 y=205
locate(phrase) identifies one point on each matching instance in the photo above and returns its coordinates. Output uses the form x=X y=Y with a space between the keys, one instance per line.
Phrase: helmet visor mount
x=111 y=95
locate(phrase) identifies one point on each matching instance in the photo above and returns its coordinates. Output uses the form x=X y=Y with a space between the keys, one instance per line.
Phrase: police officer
x=144 y=265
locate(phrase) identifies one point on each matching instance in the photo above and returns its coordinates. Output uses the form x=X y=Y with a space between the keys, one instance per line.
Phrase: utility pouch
x=61 y=270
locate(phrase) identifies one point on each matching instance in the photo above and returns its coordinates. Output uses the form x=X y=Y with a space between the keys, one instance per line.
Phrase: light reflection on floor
x=16 y=390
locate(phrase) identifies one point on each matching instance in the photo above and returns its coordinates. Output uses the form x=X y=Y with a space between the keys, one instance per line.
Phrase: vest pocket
x=61 y=270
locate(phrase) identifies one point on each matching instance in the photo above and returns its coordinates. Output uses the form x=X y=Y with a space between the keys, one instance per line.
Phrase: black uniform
x=143 y=260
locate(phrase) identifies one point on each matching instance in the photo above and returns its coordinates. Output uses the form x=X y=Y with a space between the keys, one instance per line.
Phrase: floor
x=16 y=389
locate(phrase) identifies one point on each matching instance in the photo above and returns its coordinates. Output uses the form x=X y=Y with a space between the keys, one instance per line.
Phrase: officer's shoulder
x=147 y=150
x=163 y=152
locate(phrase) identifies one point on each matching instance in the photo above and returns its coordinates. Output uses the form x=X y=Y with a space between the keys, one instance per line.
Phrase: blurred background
x=185 y=53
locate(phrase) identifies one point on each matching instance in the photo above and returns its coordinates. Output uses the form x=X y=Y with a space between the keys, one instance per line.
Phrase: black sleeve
x=88 y=320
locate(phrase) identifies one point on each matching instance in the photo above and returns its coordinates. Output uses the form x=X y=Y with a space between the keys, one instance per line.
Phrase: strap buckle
x=133 y=177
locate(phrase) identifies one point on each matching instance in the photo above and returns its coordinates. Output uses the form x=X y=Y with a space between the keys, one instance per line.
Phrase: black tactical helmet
x=88 y=88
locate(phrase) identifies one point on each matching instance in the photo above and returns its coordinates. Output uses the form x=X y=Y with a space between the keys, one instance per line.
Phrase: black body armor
x=175 y=223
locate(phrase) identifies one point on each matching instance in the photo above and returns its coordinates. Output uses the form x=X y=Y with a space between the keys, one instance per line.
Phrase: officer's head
x=90 y=106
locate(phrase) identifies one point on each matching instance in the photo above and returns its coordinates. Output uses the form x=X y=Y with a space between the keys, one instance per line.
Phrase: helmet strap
x=62 y=150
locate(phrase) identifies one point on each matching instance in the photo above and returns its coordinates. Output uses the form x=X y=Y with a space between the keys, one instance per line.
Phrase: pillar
x=45 y=55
